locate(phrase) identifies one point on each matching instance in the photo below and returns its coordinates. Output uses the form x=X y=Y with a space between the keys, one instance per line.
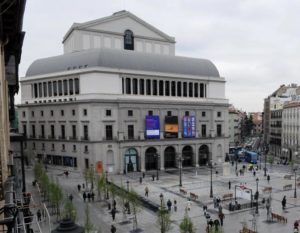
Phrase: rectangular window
x=33 y=145
x=185 y=89
x=85 y=112
x=128 y=86
x=42 y=113
x=142 y=87
x=43 y=146
x=23 y=114
x=196 y=89
x=187 y=113
x=178 y=88
x=167 y=88
x=130 y=113
x=74 y=133
x=63 y=133
x=76 y=85
x=135 y=86
x=74 y=148
x=24 y=130
x=60 y=91
x=55 y=88
x=85 y=132
x=190 y=89
x=154 y=87
x=53 y=147
x=148 y=87
x=150 y=113
x=201 y=90
x=42 y=131
x=122 y=85
x=71 y=88
x=52 y=131
x=169 y=113
x=108 y=112
x=203 y=114
x=130 y=132
x=73 y=112
x=108 y=132
x=219 y=130
x=203 y=130
x=40 y=90
x=33 y=131
x=173 y=88
x=32 y=113
x=45 y=89
x=62 y=112
x=50 y=89
x=35 y=87
x=86 y=149
x=63 y=148
x=219 y=114
x=161 y=87
x=65 y=87
x=51 y=113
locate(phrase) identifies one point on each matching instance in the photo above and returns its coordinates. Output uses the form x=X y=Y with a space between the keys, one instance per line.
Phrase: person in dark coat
x=268 y=178
x=39 y=215
x=113 y=229
x=113 y=214
x=221 y=217
x=93 y=196
x=169 y=204
x=78 y=187
x=84 y=196
x=89 y=197
x=114 y=204
x=283 y=202
x=229 y=185
x=71 y=197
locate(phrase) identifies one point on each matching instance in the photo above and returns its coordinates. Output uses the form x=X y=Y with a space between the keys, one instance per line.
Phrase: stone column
x=142 y=159
x=162 y=159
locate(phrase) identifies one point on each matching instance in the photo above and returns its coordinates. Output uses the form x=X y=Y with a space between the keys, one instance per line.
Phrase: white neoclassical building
x=290 y=130
x=120 y=100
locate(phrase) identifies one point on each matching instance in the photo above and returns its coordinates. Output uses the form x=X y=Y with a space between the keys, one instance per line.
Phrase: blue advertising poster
x=152 y=127
x=189 y=126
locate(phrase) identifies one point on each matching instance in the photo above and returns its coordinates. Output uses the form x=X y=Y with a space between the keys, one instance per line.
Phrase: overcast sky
x=255 y=44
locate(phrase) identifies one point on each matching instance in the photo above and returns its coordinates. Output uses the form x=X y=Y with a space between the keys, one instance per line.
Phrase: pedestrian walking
x=153 y=177
x=71 y=197
x=144 y=175
x=268 y=178
x=221 y=217
x=215 y=202
x=93 y=196
x=78 y=187
x=114 y=204
x=146 y=191
x=205 y=210
x=175 y=205
x=113 y=229
x=83 y=186
x=39 y=215
x=254 y=173
x=84 y=196
x=189 y=204
x=113 y=214
x=283 y=202
x=217 y=224
x=89 y=197
x=169 y=204
x=229 y=185
x=141 y=180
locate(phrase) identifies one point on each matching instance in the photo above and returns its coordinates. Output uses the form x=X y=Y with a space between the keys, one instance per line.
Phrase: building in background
x=119 y=100
x=234 y=126
x=273 y=117
x=257 y=123
x=290 y=131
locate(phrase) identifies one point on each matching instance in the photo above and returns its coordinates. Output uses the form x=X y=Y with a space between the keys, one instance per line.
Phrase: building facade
x=119 y=100
x=290 y=130
x=234 y=125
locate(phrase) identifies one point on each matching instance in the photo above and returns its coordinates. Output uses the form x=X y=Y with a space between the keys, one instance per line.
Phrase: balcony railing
x=51 y=136
x=85 y=138
x=73 y=137
x=62 y=137
x=41 y=136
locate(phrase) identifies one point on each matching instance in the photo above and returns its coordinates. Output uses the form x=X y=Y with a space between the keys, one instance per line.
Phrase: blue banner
x=152 y=127
x=189 y=126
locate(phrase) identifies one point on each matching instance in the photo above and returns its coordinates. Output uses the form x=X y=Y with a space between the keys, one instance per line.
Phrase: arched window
x=128 y=40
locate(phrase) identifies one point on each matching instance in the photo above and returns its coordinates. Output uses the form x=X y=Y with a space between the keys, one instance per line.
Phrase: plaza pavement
x=198 y=183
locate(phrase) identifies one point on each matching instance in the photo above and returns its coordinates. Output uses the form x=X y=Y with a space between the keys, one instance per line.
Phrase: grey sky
x=255 y=44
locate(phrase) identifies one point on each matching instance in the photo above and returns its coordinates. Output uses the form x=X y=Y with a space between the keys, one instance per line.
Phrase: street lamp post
x=265 y=169
x=256 y=210
x=295 y=190
x=180 y=159
x=127 y=185
x=157 y=172
x=161 y=197
x=106 y=180
x=211 y=184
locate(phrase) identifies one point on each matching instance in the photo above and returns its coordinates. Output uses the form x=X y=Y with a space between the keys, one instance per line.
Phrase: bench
x=287 y=187
x=227 y=196
x=267 y=190
x=287 y=177
x=246 y=230
x=182 y=191
x=279 y=218
x=193 y=196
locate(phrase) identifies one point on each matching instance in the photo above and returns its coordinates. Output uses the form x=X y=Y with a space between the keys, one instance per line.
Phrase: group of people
x=88 y=195
x=169 y=205
x=214 y=224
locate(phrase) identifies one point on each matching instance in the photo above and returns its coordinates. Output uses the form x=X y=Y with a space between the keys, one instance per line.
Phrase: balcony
x=62 y=137
x=73 y=138
x=51 y=137
x=85 y=138
x=42 y=137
